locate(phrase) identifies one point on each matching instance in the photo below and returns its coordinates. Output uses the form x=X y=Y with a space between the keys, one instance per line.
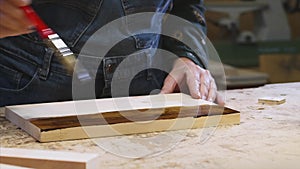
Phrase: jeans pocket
x=9 y=78
x=16 y=72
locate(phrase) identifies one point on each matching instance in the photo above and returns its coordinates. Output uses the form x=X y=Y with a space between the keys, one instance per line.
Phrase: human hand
x=200 y=83
x=13 y=21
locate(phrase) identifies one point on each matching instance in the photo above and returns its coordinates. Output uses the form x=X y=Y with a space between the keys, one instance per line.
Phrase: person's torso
x=76 y=20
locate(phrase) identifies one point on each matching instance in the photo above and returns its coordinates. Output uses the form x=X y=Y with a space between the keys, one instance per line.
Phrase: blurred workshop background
x=257 y=40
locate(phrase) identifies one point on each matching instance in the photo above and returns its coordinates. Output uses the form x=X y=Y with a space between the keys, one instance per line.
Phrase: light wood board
x=5 y=166
x=272 y=100
x=44 y=159
x=117 y=116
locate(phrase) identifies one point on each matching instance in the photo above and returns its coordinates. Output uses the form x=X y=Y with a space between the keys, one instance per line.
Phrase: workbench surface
x=268 y=137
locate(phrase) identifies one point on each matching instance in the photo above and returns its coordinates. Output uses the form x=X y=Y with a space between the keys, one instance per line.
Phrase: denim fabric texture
x=31 y=73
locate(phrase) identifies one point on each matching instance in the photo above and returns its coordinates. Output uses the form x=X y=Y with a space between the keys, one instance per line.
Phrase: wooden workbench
x=268 y=137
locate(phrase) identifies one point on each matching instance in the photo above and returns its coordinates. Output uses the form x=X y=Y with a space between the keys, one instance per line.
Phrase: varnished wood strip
x=137 y=128
x=47 y=124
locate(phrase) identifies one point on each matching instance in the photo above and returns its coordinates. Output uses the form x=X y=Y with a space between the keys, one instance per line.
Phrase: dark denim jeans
x=31 y=73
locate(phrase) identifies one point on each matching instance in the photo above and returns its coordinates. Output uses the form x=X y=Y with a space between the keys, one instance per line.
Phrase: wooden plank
x=118 y=116
x=43 y=159
x=281 y=67
x=5 y=166
x=271 y=100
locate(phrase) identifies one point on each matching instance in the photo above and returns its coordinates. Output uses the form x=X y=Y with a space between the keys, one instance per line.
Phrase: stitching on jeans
x=45 y=66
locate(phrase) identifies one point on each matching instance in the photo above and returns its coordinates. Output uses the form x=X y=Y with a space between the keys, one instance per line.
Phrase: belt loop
x=45 y=67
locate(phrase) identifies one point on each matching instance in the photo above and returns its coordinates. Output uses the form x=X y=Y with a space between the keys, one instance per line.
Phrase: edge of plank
x=47 y=154
x=136 y=128
x=30 y=158
x=25 y=125
x=6 y=166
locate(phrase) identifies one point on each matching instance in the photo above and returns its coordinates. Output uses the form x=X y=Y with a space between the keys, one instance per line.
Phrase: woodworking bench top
x=268 y=137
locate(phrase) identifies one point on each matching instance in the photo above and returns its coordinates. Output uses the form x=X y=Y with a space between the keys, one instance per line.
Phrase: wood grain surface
x=46 y=124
